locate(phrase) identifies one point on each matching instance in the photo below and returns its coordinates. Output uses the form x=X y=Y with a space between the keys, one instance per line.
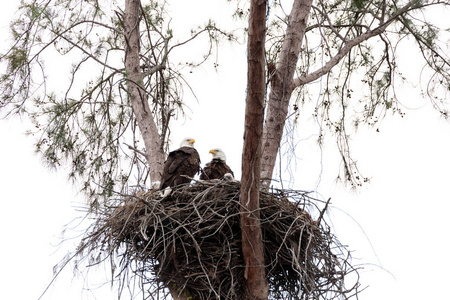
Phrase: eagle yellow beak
x=212 y=151
x=192 y=141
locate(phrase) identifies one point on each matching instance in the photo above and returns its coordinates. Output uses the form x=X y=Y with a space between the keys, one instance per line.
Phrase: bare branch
x=347 y=47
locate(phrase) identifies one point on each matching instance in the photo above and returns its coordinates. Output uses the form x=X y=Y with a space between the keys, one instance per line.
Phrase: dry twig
x=191 y=240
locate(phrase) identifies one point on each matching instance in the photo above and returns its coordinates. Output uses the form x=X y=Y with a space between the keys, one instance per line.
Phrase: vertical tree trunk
x=138 y=97
x=252 y=244
x=281 y=87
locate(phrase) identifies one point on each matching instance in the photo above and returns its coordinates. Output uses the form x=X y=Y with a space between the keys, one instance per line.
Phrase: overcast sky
x=397 y=226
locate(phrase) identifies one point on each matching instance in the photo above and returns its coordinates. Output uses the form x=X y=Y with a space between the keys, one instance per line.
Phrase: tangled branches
x=191 y=241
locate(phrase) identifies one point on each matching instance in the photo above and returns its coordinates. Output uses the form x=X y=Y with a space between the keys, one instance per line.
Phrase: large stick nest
x=191 y=241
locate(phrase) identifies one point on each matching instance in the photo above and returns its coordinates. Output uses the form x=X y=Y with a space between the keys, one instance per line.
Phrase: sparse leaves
x=353 y=48
x=83 y=120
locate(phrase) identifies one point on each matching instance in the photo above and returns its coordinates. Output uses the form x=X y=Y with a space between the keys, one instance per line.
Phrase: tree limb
x=252 y=244
x=346 y=48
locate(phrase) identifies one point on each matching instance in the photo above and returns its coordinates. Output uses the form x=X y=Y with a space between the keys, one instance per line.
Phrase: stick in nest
x=191 y=239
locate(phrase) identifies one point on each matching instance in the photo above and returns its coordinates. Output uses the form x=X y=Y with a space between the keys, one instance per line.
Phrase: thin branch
x=347 y=47
x=134 y=149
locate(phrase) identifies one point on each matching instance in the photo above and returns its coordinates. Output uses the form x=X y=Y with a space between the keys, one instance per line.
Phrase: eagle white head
x=218 y=154
x=187 y=142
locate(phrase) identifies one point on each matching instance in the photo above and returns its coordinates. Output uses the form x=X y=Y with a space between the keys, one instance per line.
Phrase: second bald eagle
x=217 y=167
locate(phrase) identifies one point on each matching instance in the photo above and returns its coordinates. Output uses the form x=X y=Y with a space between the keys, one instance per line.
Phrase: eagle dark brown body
x=180 y=163
x=215 y=169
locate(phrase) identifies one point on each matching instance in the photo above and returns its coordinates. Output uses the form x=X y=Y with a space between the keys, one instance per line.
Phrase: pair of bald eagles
x=182 y=164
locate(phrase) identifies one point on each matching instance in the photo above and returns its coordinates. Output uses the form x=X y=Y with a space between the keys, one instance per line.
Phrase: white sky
x=397 y=226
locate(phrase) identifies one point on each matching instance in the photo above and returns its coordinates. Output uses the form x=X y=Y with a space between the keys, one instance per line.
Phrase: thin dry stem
x=191 y=241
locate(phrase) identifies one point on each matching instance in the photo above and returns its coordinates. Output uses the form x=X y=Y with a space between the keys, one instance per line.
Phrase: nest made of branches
x=190 y=241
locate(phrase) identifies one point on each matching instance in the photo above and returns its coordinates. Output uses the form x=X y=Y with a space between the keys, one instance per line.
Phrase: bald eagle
x=181 y=165
x=217 y=167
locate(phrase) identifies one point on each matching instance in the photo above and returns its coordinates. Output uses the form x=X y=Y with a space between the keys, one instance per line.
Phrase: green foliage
x=84 y=119
x=86 y=122
x=359 y=4
x=16 y=59
x=360 y=89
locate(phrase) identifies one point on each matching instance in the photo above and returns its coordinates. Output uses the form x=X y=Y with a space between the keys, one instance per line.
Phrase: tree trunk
x=281 y=87
x=138 y=96
x=252 y=243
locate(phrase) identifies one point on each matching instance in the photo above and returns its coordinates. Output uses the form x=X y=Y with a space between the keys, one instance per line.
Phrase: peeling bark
x=138 y=96
x=252 y=243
